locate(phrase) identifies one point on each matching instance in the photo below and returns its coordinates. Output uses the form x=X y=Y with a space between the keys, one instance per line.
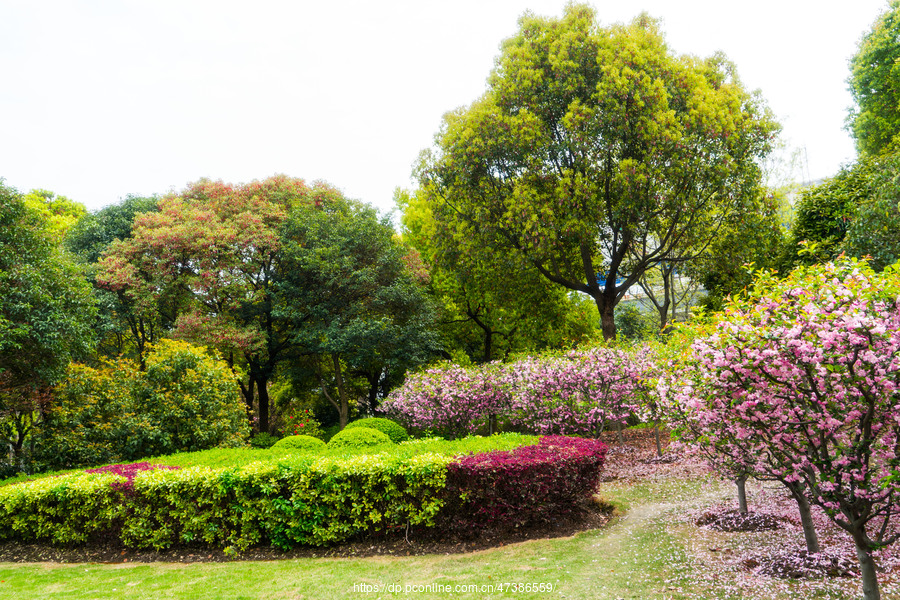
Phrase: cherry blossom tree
x=799 y=380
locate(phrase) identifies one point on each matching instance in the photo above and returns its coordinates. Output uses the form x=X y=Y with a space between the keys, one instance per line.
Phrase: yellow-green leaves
x=597 y=154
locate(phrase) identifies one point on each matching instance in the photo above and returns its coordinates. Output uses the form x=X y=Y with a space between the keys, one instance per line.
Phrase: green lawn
x=648 y=552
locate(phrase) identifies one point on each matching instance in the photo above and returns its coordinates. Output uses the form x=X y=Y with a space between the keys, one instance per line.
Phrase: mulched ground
x=732 y=520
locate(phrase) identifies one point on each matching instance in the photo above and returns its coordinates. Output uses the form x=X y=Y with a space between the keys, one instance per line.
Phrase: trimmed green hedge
x=358 y=439
x=393 y=430
x=302 y=499
x=300 y=442
x=61 y=509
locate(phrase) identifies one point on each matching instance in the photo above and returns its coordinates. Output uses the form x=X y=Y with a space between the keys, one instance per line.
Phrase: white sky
x=102 y=98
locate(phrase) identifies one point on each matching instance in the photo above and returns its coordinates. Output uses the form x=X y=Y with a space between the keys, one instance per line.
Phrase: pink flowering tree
x=800 y=381
x=450 y=400
x=581 y=392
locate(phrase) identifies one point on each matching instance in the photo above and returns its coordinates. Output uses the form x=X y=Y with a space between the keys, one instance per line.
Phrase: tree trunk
x=809 y=528
x=866 y=568
x=658 y=442
x=373 y=394
x=262 y=396
x=741 y=483
x=344 y=402
x=606 y=309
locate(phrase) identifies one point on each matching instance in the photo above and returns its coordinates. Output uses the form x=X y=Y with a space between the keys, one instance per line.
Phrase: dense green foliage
x=875 y=228
x=597 y=154
x=300 y=442
x=357 y=438
x=185 y=400
x=263 y=440
x=875 y=85
x=46 y=314
x=353 y=303
x=392 y=429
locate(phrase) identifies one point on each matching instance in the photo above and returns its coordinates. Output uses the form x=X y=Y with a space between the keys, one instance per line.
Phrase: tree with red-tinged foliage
x=803 y=375
x=206 y=261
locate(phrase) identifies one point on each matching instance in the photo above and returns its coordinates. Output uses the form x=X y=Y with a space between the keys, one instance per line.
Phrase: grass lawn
x=652 y=550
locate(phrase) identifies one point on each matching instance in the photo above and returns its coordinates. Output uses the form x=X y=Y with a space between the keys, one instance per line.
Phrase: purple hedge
x=528 y=485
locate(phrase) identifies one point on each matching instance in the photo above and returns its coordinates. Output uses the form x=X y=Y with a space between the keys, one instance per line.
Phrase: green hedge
x=300 y=442
x=63 y=509
x=358 y=439
x=304 y=501
x=298 y=499
x=393 y=430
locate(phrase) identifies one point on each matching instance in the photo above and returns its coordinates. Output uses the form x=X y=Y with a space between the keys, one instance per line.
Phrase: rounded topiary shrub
x=393 y=430
x=300 y=442
x=358 y=438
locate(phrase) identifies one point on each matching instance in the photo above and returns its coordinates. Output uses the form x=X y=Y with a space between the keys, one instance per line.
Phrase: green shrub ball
x=358 y=438
x=300 y=442
x=393 y=430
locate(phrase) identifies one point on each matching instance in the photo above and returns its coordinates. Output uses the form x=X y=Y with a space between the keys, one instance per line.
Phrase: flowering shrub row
x=578 y=393
x=305 y=499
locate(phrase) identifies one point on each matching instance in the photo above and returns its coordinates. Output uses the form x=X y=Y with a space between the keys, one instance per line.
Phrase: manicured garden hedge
x=306 y=499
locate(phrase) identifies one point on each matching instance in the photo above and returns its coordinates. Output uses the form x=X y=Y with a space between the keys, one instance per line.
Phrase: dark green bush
x=263 y=440
x=358 y=438
x=300 y=442
x=393 y=430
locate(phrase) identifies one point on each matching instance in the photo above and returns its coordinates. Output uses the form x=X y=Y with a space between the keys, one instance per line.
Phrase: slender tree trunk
x=741 y=483
x=373 y=394
x=866 y=567
x=344 y=406
x=809 y=528
x=658 y=441
x=248 y=393
x=262 y=394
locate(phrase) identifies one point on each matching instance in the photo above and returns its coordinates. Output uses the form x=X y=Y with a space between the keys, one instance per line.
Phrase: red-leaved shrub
x=531 y=484
x=129 y=472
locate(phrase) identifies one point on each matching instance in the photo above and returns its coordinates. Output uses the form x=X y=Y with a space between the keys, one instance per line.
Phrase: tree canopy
x=348 y=292
x=875 y=85
x=478 y=317
x=597 y=154
x=46 y=314
x=202 y=266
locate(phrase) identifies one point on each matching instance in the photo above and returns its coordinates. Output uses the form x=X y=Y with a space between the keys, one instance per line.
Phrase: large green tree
x=46 y=313
x=205 y=263
x=354 y=297
x=874 y=230
x=875 y=85
x=596 y=153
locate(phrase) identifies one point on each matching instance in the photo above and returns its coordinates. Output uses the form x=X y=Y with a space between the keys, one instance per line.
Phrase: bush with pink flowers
x=581 y=392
